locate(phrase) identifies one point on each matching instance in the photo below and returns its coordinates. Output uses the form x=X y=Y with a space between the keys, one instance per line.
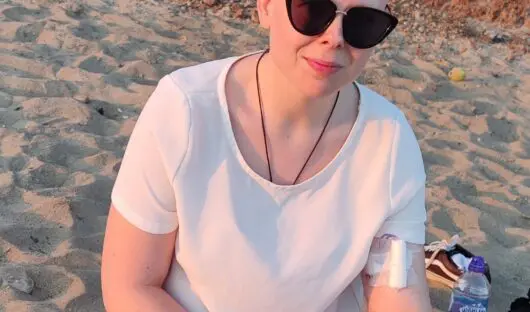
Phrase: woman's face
x=300 y=57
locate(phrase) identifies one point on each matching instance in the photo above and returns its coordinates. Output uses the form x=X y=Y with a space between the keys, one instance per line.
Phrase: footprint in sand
x=5 y=100
x=159 y=30
x=461 y=190
x=90 y=31
x=118 y=80
x=121 y=52
x=34 y=234
x=93 y=243
x=85 y=266
x=113 y=144
x=101 y=127
x=76 y=259
x=19 y=86
x=497 y=231
x=105 y=123
x=59 y=151
x=9 y=117
x=73 y=290
x=43 y=176
x=23 y=14
x=96 y=64
x=103 y=163
x=88 y=208
x=22 y=67
x=410 y=72
x=49 y=55
x=441 y=219
x=432 y=158
x=486 y=140
x=91 y=200
x=509 y=164
x=487 y=173
x=443 y=144
x=475 y=108
x=502 y=129
x=76 y=10
x=29 y=32
x=44 y=277
x=522 y=204
x=525 y=145
x=59 y=88
x=43 y=307
x=85 y=303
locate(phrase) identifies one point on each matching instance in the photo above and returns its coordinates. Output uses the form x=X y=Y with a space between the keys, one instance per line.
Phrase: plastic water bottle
x=472 y=291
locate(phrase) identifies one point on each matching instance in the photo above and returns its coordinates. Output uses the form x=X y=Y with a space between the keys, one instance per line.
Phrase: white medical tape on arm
x=398 y=264
x=389 y=264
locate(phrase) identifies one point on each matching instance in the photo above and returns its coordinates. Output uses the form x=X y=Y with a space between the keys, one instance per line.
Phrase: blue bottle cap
x=477 y=265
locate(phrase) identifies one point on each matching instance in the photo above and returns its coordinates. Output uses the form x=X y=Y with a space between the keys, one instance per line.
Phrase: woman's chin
x=319 y=88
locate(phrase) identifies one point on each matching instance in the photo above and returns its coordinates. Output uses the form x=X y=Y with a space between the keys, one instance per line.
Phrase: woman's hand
x=134 y=267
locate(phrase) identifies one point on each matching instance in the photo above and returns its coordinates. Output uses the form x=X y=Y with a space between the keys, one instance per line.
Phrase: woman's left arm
x=406 y=222
x=412 y=298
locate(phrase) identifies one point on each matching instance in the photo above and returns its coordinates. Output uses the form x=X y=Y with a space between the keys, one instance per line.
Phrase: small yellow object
x=457 y=74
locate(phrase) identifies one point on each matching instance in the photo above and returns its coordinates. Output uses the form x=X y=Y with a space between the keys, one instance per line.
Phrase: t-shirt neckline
x=229 y=132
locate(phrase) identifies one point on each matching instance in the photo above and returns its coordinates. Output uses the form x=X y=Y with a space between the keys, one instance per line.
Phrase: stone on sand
x=16 y=277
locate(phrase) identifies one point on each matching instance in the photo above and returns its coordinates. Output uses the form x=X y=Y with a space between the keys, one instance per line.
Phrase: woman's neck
x=286 y=107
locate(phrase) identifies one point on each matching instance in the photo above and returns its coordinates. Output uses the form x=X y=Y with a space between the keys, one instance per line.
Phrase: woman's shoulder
x=378 y=107
x=175 y=92
x=202 y=77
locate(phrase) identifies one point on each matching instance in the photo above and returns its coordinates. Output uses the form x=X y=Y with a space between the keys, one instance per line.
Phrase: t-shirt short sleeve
x=143 y=192
x=407 y=187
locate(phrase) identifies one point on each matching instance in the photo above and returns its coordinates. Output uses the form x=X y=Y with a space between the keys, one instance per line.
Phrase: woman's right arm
x=134 y=266
x=142 y=224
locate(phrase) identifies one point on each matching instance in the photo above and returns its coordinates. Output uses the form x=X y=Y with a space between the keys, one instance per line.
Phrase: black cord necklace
x=264 y=132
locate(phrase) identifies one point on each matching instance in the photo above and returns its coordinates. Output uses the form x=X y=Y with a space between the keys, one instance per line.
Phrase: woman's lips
x=323 y=67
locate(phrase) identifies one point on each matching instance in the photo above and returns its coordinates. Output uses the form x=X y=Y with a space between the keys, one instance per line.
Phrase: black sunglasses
x=363 y=27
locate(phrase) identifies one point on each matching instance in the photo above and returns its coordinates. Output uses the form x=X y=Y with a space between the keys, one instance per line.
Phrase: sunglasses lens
x=363 y=27
x=366 y=27
x=311 y=17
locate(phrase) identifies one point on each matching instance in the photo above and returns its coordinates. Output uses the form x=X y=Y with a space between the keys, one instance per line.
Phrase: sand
x=75 y=75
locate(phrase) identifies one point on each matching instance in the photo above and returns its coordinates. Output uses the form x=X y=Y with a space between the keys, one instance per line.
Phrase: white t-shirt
x=245 y=244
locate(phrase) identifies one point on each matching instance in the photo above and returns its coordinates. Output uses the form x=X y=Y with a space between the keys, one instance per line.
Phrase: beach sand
x=75 y=75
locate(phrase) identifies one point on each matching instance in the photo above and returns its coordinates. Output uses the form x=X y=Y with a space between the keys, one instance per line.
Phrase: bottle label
x=466 y=304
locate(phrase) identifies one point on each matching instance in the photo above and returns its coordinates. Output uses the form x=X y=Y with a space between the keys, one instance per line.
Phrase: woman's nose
x=334 y=34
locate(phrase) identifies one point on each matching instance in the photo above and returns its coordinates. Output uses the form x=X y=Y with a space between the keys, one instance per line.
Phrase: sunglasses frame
x=393 y=22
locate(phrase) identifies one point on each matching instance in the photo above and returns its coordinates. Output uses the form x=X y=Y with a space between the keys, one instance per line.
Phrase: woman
x=261 y=182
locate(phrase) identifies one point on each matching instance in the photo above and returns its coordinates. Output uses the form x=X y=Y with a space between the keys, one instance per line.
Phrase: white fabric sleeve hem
x=407 y=170
x=407 y=213
x=169 y=225
x=408 y=224
x=414 y=231
x=143 y=191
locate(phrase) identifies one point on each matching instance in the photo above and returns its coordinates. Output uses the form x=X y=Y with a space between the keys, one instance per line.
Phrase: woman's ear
x=264 y=8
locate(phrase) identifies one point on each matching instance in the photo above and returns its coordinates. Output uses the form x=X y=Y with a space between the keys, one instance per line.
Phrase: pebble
x=496 y=36
x=254 y=17
x=83 y=98
x=438 y=43
x=75 y=8
x=17 y=278
x=210 y=2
